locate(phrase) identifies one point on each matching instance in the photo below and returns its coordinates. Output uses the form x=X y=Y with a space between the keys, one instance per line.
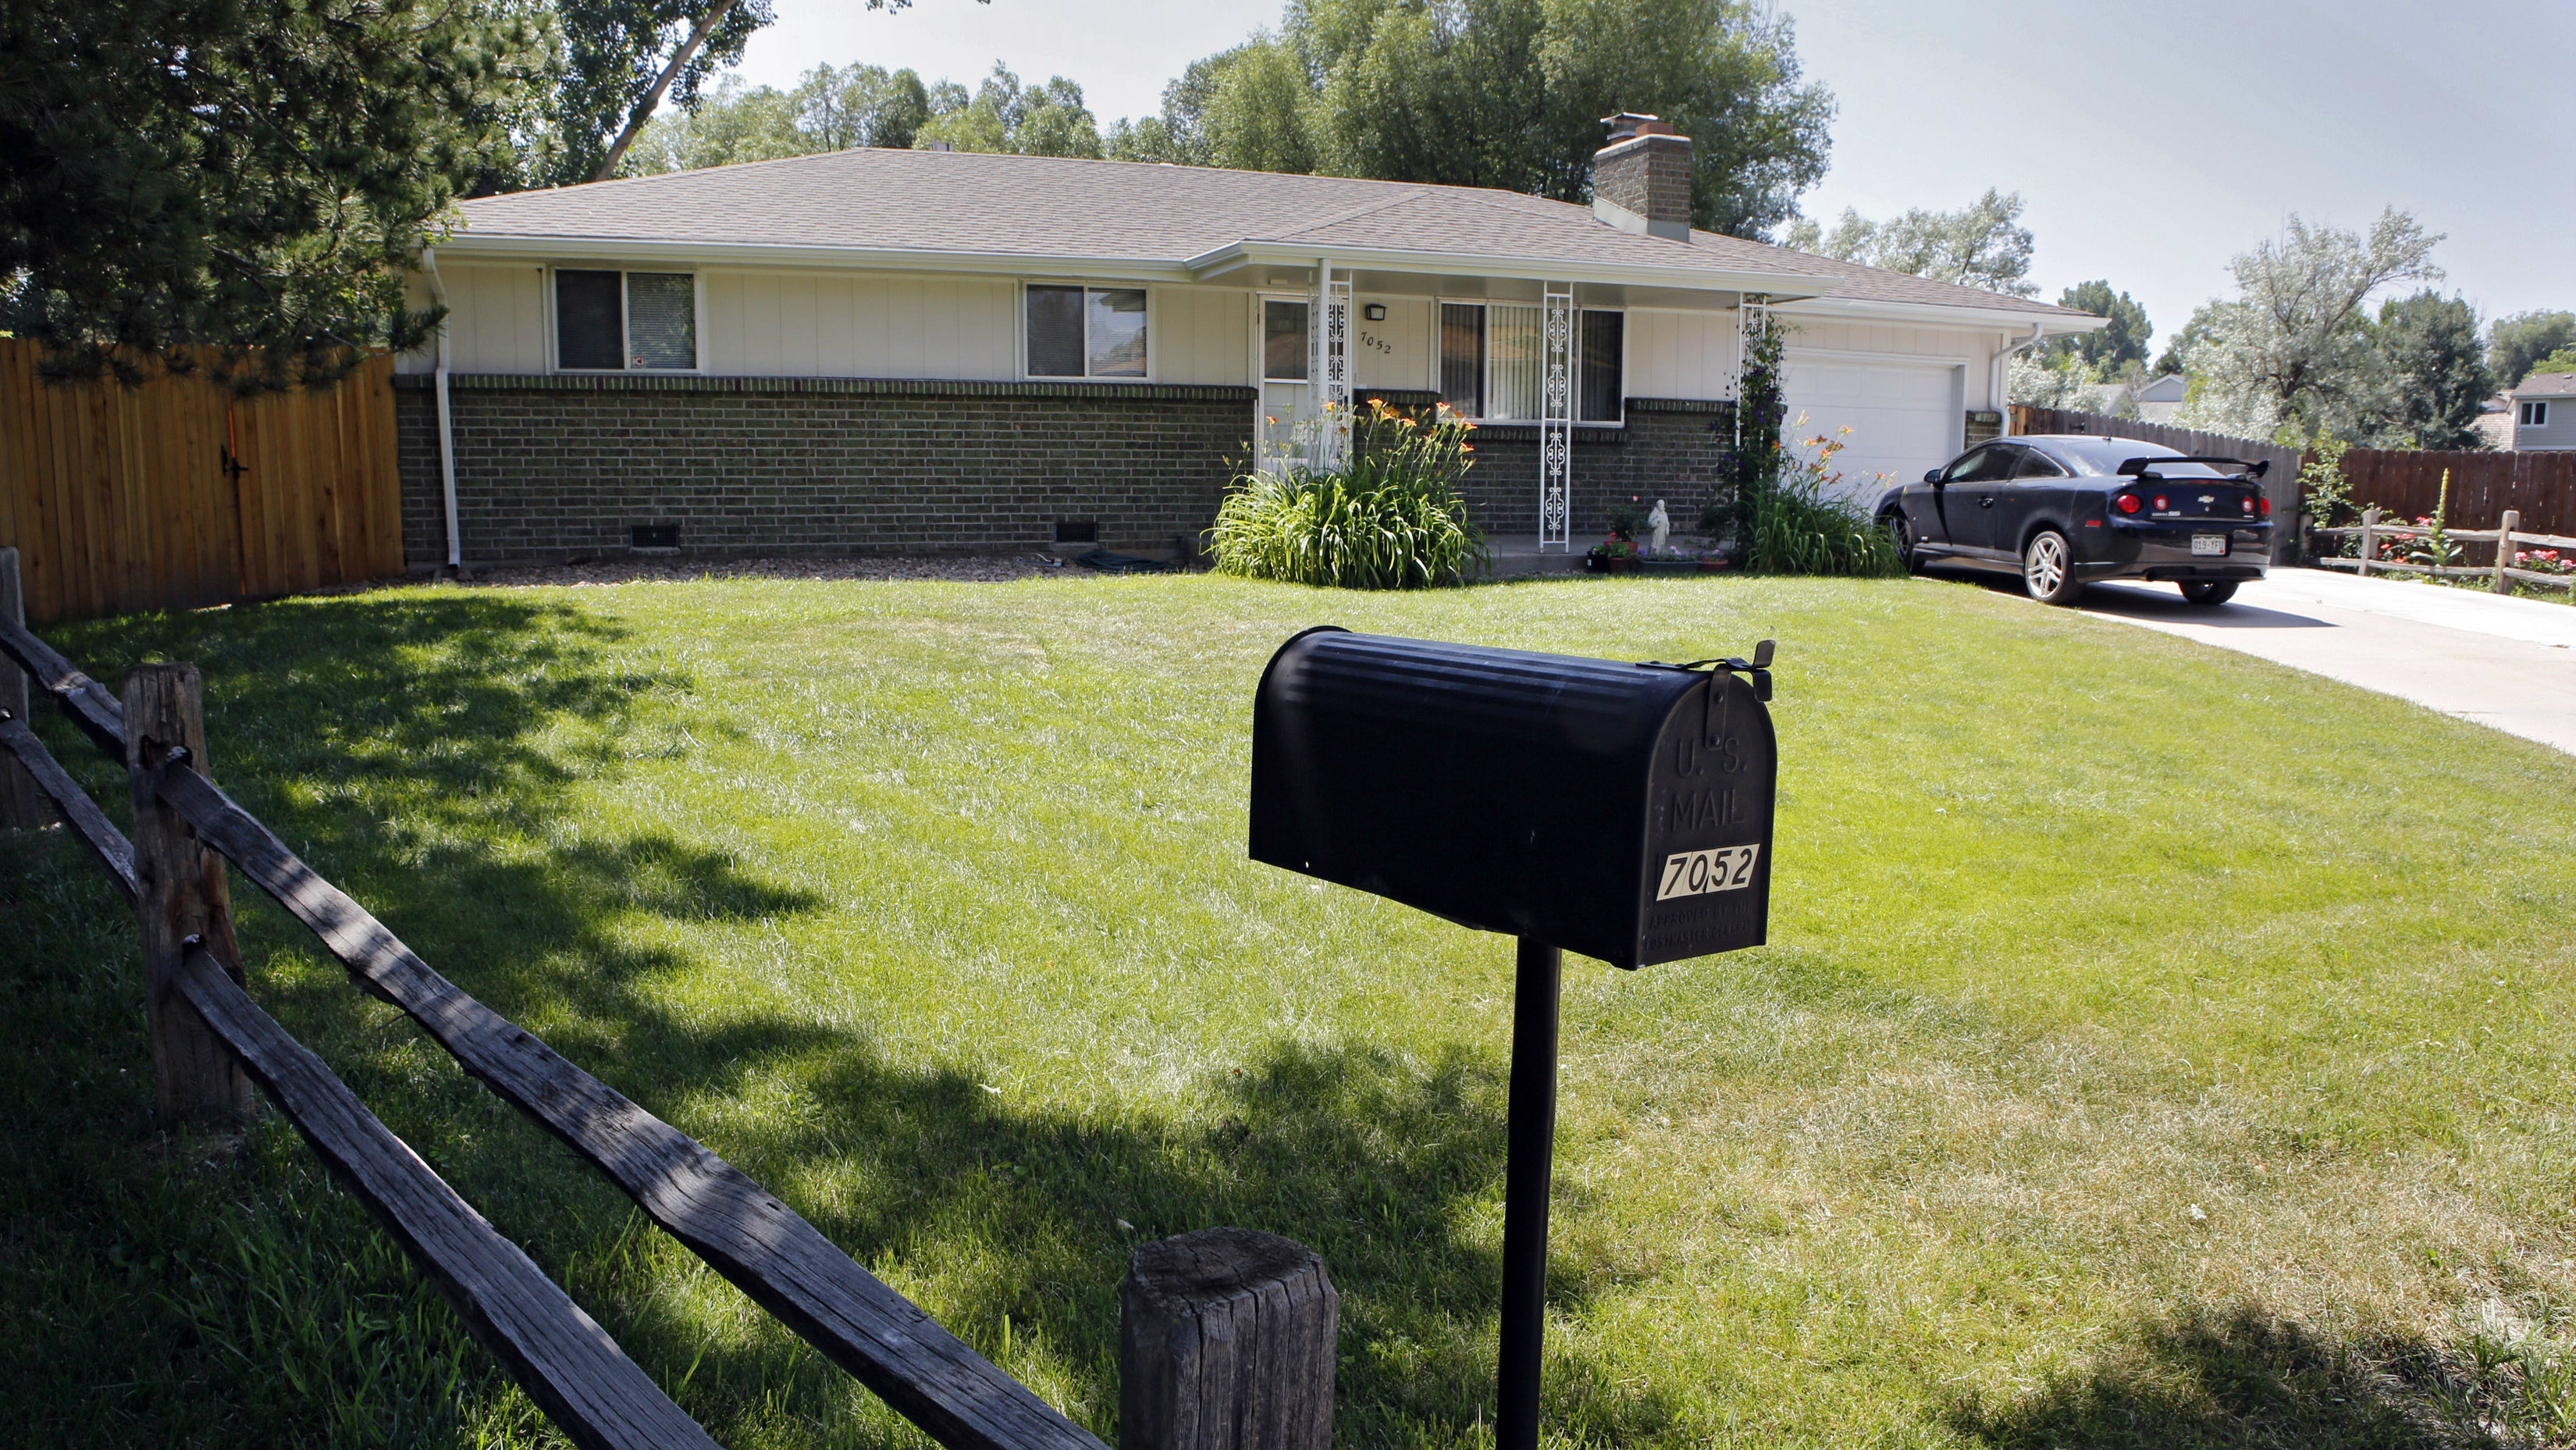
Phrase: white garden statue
x=1658 y=523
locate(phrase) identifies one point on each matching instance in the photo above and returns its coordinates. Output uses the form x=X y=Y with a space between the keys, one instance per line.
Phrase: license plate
x=2209 y=544
x=1696 y=873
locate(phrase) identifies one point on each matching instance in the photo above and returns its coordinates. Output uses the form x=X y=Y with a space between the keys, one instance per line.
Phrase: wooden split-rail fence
x=2501 y=574
x=1227 y=1335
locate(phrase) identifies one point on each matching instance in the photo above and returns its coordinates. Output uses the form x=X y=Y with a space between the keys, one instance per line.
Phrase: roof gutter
x=634 y=249
x=1400 y=259
x=446 y=424
x=2057 y=323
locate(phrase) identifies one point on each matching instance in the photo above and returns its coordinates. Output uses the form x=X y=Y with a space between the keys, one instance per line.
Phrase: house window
x=2535 y=415
x=1493 y=362
x=1602 y=341
x=614 y=321
x=1462 y=357
x=1086 y=332
x=1283 y=341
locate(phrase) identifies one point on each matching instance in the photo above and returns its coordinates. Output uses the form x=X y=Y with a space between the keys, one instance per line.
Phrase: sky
x=2149 y=143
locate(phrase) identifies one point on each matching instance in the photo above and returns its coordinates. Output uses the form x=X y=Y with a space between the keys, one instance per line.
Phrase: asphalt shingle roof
x=2546 y=385
x=967 y=203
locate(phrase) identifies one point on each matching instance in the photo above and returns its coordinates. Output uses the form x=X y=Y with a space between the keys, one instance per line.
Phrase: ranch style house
x=880 y=351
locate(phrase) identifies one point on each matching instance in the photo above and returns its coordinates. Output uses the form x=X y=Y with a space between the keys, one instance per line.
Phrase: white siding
x=1199 y=335
x=1681 y=355
x=1395 y=352
x=815 y=324
x=496 y=321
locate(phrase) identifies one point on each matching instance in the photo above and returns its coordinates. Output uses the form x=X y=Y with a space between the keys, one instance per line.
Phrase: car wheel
x=2209 y=591
x=2048 y=568
x=1906 y=554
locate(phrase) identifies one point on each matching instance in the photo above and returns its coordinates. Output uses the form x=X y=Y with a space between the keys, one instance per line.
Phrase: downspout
x=1999 y=386
x=446 y=424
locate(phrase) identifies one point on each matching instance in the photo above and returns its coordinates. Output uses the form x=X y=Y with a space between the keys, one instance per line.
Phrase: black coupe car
x=2067 y=510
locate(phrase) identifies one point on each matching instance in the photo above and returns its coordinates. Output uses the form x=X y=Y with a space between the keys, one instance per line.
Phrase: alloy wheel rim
x=2047 y=567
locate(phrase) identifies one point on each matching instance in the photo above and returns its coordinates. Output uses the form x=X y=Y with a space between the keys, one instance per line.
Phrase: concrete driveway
x=2508 y=663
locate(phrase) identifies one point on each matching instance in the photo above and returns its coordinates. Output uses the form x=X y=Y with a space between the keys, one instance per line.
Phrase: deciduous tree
x=2516 y=344
x=2435 y=372
x=1981 y=245
x=1508 y=94
x=2292 y=354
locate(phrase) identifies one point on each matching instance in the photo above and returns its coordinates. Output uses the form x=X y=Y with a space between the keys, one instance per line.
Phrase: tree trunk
x=652 y=98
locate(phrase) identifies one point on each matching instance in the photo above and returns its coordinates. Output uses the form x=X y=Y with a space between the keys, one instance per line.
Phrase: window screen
x=1515 y=353
x=1602 y=335
x=1118 y=333
x=1283 y=342
x=1462 y=357
x=661 y=320
x=590 y=328
x=1055 y=332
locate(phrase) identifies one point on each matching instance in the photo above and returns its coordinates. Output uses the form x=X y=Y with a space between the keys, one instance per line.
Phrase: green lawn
x=2156 y=1047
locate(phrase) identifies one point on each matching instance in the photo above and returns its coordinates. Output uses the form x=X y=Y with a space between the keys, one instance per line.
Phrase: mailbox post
x=1622 y=811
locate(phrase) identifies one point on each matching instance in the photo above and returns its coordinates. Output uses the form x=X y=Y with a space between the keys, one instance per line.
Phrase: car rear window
x=2105 y=455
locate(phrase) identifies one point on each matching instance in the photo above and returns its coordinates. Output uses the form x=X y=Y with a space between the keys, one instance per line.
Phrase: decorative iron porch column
x=1328 y=364
x=1556 y=421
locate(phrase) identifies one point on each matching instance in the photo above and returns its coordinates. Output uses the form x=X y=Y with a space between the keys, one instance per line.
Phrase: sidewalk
x=2502 y=662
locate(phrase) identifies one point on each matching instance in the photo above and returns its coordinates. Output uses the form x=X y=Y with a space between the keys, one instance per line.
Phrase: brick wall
x=559 y=468
x=563 y=467
x=1671 y=448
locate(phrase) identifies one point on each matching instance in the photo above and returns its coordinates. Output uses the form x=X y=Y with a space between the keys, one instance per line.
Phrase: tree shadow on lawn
x=2211 y=1378
x=422 y=749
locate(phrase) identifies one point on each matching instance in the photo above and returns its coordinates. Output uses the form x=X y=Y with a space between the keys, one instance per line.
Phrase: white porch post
x=1328 y=364
x=1556 y=420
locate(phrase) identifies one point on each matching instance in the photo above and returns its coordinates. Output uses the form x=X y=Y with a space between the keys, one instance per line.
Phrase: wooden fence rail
x=176 y=493
x=568 y=1364
x=2506 y=539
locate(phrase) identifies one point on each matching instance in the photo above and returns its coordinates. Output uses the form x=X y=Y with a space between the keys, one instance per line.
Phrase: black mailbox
x=1618 y=810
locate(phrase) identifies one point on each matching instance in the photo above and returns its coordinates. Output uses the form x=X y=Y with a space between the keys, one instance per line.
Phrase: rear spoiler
x=2138 y=467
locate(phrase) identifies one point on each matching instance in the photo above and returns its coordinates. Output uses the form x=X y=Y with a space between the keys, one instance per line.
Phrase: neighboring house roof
x=953 y=208
x=2546 y=385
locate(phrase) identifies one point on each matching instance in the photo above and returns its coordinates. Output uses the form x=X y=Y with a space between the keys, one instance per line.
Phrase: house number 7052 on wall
x=1696 y=873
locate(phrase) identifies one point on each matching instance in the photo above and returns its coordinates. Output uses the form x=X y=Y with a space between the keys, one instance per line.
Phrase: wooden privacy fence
x=1228 y=1334
x=177 y=494
x=2541 y=487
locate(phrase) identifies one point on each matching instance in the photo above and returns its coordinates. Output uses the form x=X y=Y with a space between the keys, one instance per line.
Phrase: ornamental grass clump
x=1798 y=527
x=1390 y=518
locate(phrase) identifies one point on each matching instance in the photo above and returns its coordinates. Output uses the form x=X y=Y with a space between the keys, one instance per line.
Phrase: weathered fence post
x=2504 y=549
x=1226 y=1342
x=180 y=892
x=2369 y=538
x=22 y=805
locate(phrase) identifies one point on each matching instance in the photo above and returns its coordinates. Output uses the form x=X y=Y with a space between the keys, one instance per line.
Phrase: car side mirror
x=1932 y=476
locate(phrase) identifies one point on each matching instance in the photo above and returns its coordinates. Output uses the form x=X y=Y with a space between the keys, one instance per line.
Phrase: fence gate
x=175 y=494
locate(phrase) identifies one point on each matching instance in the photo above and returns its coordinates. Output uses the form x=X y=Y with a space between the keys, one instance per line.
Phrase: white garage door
x=1904 y=417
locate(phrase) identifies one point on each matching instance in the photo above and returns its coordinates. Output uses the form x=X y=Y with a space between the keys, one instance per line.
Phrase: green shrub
x=1391 y=518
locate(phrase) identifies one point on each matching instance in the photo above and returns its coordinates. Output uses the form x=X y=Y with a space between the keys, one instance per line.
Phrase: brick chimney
x=1641 y=181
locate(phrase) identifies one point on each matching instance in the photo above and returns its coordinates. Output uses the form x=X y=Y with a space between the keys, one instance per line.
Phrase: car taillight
x=2128 y=503
x=2263 y=506
x=2161 y=504
x=2249 y=504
